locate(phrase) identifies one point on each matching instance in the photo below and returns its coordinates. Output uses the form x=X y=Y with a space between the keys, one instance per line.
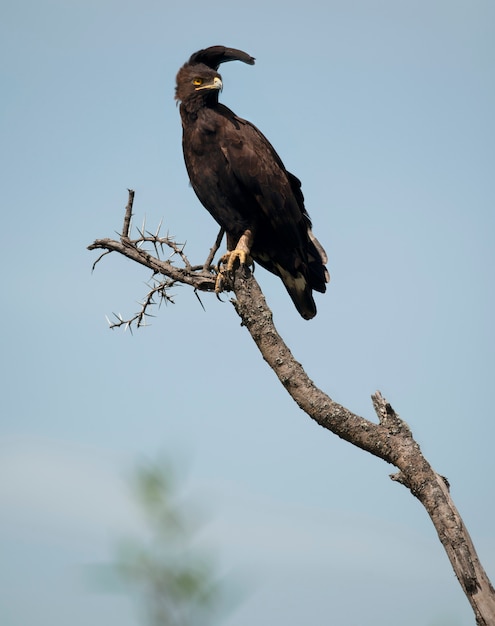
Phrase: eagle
x=240 y=179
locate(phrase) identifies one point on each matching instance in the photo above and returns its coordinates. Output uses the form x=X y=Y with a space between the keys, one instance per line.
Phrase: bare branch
x=390 y=439
x=200 y=277
x=128 y=215
x=387 y=416
x=99 y=259
x=197 y=279
x=214 y=249
x=139 y=319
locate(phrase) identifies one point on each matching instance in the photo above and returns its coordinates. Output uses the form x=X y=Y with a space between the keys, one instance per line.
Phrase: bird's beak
x=216 y=84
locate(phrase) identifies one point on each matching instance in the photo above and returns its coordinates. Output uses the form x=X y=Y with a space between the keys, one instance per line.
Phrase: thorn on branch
x=140 y=318
x=170 y=274
x=159 y=228
x=199 y=300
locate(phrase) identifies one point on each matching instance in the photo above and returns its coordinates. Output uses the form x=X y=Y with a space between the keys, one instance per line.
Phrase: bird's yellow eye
x=198 y=81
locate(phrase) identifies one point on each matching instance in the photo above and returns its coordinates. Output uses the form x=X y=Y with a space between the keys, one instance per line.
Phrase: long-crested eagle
x=242 y=182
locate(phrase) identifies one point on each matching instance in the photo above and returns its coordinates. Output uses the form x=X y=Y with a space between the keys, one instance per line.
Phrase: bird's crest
x=215 y=55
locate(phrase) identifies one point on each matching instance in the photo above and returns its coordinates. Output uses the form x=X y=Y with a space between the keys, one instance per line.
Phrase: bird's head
x=197 y=83
x=198 y=80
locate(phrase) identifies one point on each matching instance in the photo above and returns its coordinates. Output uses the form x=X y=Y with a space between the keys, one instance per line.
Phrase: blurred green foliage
x=175 y=581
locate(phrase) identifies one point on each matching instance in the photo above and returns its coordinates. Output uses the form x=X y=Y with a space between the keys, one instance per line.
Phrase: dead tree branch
x=200 y=277
x=390 y=439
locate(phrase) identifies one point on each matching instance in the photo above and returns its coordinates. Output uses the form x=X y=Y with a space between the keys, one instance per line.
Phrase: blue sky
x=384 y=109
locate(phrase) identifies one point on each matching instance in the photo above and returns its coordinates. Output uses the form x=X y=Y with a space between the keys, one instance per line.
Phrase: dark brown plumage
x=242 y=182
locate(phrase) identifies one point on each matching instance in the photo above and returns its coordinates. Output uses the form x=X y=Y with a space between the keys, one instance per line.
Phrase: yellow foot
x=220 y=282
x=227 y=264
x=233 y=259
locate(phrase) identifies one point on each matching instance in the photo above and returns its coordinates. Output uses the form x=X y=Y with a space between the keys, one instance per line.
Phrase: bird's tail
x=300 y=291
x=301 y=277
x=317 y=259
x=315 y=277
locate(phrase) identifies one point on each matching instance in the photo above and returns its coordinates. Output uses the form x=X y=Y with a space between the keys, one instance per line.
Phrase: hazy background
x=385 y=110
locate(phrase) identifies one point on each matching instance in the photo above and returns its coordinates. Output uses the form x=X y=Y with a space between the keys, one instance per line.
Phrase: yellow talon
x=219 y=282
x=235 y=258
x=227 y=264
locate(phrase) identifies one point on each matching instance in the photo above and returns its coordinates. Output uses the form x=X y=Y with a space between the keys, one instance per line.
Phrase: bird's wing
x=258 y=168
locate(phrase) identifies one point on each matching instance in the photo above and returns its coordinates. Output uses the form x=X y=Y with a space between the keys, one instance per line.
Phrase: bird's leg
x=240 y=255
x=232 y=259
